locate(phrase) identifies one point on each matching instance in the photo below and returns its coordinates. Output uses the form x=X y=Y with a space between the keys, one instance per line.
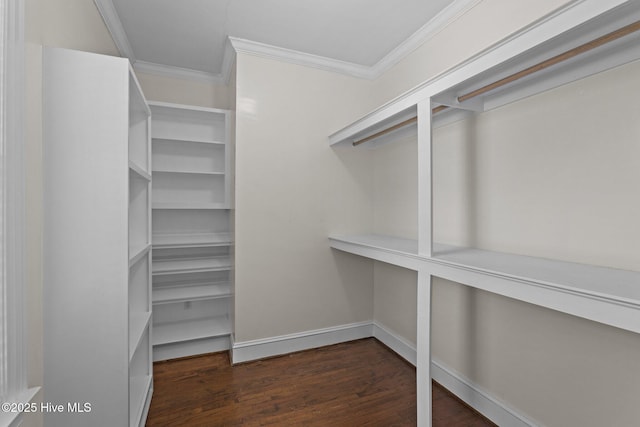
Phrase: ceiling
x=198 y=38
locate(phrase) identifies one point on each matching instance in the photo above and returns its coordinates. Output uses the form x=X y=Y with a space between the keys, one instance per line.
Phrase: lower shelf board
x=193 y=205
x=606 y=295
x=187 y=330
x=139 y=389
x=190 y=265
x=171 y=294
x=191 y=240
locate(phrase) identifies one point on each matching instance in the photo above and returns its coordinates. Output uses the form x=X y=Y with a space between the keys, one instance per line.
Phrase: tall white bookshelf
x=97 y=241
x=192 y=239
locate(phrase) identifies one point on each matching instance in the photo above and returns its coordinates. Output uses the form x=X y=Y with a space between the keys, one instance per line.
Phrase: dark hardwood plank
x=359 y=383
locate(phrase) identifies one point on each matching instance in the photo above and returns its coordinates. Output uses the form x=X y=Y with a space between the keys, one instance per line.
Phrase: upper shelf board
x=576 y=24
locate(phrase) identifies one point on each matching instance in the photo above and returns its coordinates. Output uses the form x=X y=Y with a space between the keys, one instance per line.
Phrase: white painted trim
x=13 y=370
x=467 y=391
x=114 y=25
x=14 y=419
x=395 y=342
x=449 y=14
x=434 y=26
x=431 y=28
x=300 y=58
x=227 y=61
x=569 y=16
x=478 y=398
x=246 y=351
x=178 y=72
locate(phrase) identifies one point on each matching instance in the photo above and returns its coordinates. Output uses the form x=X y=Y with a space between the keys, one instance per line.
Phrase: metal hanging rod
x=607 y=38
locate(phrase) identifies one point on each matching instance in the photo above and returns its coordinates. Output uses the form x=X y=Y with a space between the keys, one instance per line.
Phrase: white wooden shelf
x=190 y=265
x=188 y=330
x=392 y=250
x=139 y=389
x=191 y=240
x=606 y=295
x=138 y=323
x=577 y=41
x=544 y=42
x=185 y=172
x=195 y=140
x=194 y=292
x=97 y=319
x=137 y=252
x=203 y=206
x=139 y=171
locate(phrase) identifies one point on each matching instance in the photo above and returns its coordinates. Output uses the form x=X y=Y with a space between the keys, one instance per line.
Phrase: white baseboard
x=246 y=351
x=402 y=347
x=463 y=388
x=466 y=390
x=477 y=398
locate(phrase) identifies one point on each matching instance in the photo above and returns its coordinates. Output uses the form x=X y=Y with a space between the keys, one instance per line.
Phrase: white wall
x=292 y=190
x=550 y=176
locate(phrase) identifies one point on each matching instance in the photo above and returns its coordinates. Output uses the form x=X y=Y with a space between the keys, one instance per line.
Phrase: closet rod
x=607 y=38
x=386 y=131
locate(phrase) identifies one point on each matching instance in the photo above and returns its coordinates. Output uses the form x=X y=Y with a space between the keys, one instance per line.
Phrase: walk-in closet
x=236 y=212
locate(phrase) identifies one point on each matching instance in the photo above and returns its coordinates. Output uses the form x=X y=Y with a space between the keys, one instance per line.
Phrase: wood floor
x=359 y=383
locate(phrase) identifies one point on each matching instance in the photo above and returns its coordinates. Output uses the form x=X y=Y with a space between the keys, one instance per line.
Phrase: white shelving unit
x=97 y=244
x=606 y=295
x=192 y=242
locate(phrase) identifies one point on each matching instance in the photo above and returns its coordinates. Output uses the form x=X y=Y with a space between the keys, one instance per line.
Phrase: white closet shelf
x=392 y=250
x=502 y=61
x=194 y=140
x=191 y=240
x=139 y=170
x=195 y=292
x=185 y=172
x=139 y=387
x=137 y=252
x=188 y=330
x=191 y=265
x=138 y=323
x=605 y=295
x=168 y=205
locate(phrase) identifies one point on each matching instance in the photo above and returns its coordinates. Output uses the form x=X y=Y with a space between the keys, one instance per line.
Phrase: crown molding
x=227 y=61
x=449 y=14
x=300 y=58
x=431 y=28
x=114 y=25
x=235 y=44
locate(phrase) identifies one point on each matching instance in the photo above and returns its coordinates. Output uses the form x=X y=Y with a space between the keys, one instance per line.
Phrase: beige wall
x=487 y=23
x=182 y=91
x=551 y=176
x=292 y=190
